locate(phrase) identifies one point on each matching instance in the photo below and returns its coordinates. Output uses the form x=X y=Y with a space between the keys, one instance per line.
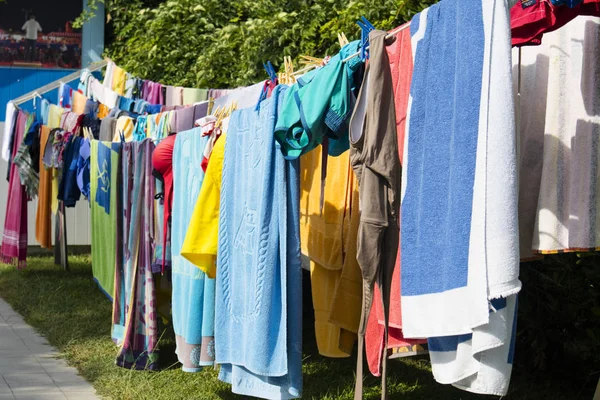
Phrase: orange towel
x=43 y=224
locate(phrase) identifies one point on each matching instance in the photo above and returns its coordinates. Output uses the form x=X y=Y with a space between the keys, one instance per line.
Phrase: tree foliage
x=221 y=44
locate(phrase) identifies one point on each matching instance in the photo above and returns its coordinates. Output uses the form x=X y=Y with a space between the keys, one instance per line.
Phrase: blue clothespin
x=270 y=71
x=365 y=28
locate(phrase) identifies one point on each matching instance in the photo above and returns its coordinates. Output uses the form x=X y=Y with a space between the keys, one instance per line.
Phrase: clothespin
x=342 y=39
x=308 y=60
x=211 y=103
x=289 y=70
x=365 y=27
x=270 y=71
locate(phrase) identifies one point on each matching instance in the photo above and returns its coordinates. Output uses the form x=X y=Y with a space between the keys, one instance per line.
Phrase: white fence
x=78 y=218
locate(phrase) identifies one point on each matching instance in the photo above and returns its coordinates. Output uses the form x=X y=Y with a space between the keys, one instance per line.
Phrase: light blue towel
x=258 y=330
x=193 y=304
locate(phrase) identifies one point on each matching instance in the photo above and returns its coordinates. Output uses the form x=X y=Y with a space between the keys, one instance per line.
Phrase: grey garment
x=375 y=161
x=107 y=129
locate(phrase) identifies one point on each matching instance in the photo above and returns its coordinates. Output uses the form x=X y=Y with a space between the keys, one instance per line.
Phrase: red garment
x=162 y=161
x=401 y=66
x=528 y=24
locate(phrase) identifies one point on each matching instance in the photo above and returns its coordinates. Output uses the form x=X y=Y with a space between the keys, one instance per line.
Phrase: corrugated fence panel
x=15 y=82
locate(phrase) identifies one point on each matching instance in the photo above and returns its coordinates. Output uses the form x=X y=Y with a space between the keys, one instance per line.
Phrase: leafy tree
x=209 y=43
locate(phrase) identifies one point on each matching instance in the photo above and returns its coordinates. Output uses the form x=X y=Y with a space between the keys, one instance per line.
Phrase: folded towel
x=460 y=190
x=258 y=333
x=560 y=146
x=193 y=301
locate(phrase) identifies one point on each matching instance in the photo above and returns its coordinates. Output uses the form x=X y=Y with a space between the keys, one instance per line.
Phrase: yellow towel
x=54 y=115
x=348 y=292
x=323 y=241
x=201 y=239
x=124 y=125
x=119 y=80
x=79 y=101
x=102 y=111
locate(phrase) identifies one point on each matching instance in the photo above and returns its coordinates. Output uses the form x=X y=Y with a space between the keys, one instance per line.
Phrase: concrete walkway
x=29 y=369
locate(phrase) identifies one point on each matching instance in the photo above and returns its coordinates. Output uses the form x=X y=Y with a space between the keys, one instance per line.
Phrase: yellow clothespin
x=211 y=103
x=342 y=39
x=289 y=70
x=311 y=61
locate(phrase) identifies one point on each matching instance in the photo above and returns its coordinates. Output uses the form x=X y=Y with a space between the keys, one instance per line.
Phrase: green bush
x=223 y=44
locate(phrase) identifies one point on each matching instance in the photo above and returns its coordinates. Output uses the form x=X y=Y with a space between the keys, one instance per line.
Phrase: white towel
x=9 y=124
x=470 y=326
x=560 y=140
x=245 y=97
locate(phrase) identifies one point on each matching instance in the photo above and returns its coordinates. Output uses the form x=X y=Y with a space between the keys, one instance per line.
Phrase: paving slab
x=29 y=367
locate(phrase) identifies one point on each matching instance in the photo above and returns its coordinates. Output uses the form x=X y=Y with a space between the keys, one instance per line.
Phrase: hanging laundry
x=244 y=97
x=104 y=163
x=14 y=236
x=9 y=126
x=258 y=333
x=43 y=224
x=30 y=178
x=375 y=161
x=318 y=106
x=323 y=236
x=119 y=79
x=135 y=328
x=83 y=168
x=400 y=58
x=529 y=21
x=201 y=240
x=559 y=148
x=174 y=96
x=193 y=96
x=68 y=191
x=459 y=195
x=193 y=305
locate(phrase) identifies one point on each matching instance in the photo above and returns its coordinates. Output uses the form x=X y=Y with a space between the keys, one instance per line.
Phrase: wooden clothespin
x=342 y=39
x=311 y=61
x=211 y=103
x=289 y=70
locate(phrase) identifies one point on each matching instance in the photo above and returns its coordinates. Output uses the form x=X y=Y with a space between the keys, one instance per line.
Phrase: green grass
x=71 y=312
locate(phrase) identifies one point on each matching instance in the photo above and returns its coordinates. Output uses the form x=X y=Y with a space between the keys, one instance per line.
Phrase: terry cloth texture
x=43 y=224
x=559 y=179
x=104 y=168
x=258 y=333
x=460 y=193
x=201 y=240
x=193 y=301
x=324 y=242
x=14 y=236
x=135 y=322
x=375 y=161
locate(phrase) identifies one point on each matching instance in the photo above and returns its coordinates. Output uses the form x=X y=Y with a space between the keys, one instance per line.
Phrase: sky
x=51 y=14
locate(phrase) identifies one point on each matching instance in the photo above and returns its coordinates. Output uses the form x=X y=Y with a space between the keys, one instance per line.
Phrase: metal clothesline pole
x=56 y=84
